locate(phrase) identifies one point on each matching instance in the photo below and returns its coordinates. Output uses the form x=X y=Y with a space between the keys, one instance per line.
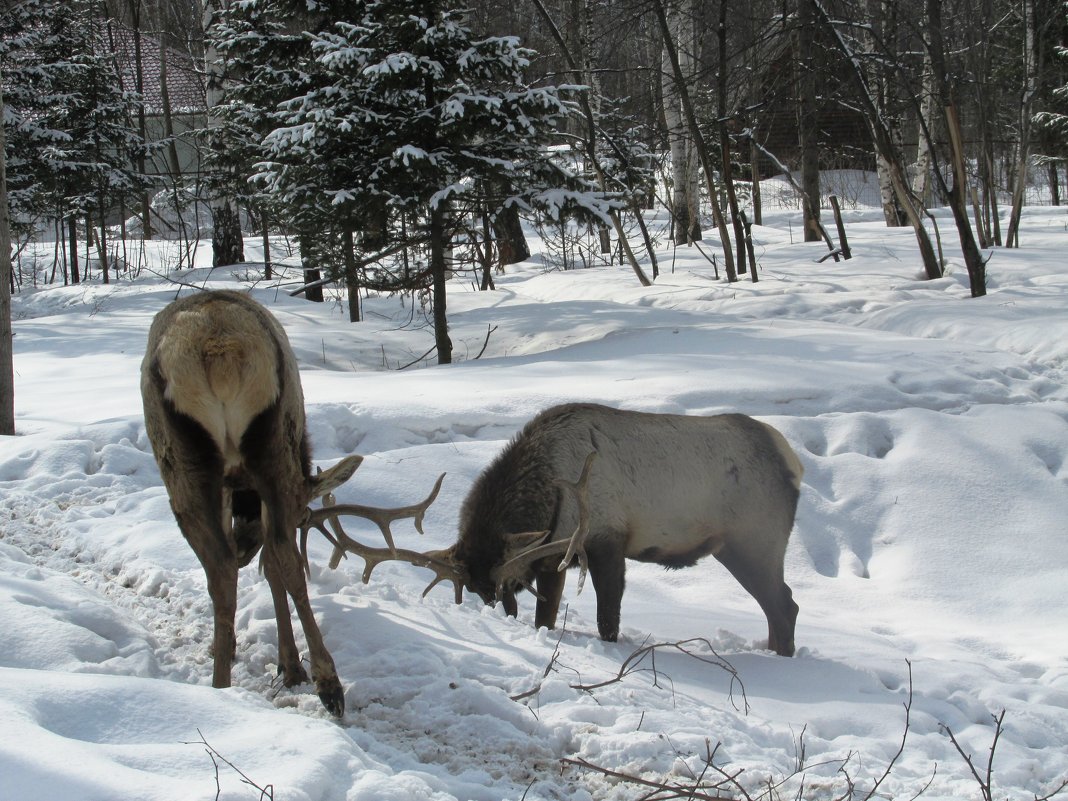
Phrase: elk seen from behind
x=224 y=411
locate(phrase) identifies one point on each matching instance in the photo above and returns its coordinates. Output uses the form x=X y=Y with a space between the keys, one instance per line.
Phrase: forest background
x=397 y=144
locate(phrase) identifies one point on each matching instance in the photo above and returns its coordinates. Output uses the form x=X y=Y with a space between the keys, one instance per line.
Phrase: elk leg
x=327 y=684
x=288 y=656
x=550 y=584
x=765 y=583
x=607 y=570
x=196 y=499
x=222 y=587
x=511 y=606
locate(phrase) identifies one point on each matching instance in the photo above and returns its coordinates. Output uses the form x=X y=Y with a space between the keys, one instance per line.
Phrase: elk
x=592 y=485
x=224 y=412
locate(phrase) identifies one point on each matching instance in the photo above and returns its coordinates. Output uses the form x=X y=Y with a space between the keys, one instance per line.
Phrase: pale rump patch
x=220 y=369
x=788 y=454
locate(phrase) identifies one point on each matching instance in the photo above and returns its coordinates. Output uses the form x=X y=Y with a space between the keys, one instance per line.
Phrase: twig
x=1056 y=791
x=266 y=793
x=930 y=781
x=904 y=736
x=418 y=359
x=664 y=790
x=984 y=785
x=730 y=778
x=799 y=751
x=632 y=664
x=489 y=331
x=548 y=668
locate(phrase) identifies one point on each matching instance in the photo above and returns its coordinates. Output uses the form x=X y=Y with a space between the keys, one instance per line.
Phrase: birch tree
x=1031 y=58
x=685 y=180
x=660 y=10
x=7 y=370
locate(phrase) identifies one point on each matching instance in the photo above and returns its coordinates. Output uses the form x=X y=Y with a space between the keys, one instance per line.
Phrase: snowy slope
x=930 y=543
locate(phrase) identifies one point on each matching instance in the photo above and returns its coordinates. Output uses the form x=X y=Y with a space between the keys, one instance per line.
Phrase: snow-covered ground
x=929 y=558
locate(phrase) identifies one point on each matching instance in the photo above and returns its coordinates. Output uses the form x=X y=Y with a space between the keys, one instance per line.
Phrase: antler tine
x=380 y=516
x=373 y=557
x=534 y=552
x=326 y=521
x=454 y=577
x=577 y=544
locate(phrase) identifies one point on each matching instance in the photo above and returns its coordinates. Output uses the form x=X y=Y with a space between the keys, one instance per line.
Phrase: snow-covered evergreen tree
x=396 y=123
x=71 y=141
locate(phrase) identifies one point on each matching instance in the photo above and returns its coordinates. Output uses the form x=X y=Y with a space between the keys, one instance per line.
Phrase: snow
x=928 y=559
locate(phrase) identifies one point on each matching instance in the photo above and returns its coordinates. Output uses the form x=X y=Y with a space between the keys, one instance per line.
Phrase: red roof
x=185 y=75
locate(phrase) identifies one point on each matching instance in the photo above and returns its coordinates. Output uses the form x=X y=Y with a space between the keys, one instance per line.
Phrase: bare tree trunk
x=312 y=273
x=352 y=279
x=883 y=23
x=485 y=254
x=511 y=243
x=438 y=274
x=989 y=230
x=990 y=226
x=958 y=193
x=808 y=119
x=1023 y=146
x=921 y=168
x=227 y=245
x=226 y=241
x=754 y=157
x=589 y=142
x=592 y=79
x=699 y=141
x=887 y=195
x=754 y=151
x=685 y=196
x=7 y=365
x=168 y=120
x=265 y=235
x=958 y=203
x=102 y=243
x=884 y=145
x=142 y=127
x=72 y=229
x=725 y=143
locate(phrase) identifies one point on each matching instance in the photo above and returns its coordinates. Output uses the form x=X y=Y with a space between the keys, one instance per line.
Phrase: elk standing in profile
x=595 y=486
x=224 y=411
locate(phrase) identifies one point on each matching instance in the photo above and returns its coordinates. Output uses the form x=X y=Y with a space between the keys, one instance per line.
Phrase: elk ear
x=329 y=480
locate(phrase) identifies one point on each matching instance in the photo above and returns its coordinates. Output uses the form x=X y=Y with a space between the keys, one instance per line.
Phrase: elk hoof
x=292 y=675
x=609 y=633
x=332 y=696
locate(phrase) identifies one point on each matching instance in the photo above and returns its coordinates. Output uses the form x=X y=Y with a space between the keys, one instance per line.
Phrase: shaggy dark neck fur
x=514 y=494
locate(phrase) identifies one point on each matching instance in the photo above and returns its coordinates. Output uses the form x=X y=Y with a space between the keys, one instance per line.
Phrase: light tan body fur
x=668 y=489
x=225 y=414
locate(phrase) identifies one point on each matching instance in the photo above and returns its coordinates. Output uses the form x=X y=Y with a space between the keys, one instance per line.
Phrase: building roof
x=185 y=75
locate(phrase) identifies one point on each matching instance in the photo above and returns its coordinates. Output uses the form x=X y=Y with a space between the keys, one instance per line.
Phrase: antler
x=382 y=517
x=573 y=547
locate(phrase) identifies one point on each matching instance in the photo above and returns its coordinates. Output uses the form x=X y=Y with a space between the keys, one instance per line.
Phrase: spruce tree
x=399 y=122
x=73 y=140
